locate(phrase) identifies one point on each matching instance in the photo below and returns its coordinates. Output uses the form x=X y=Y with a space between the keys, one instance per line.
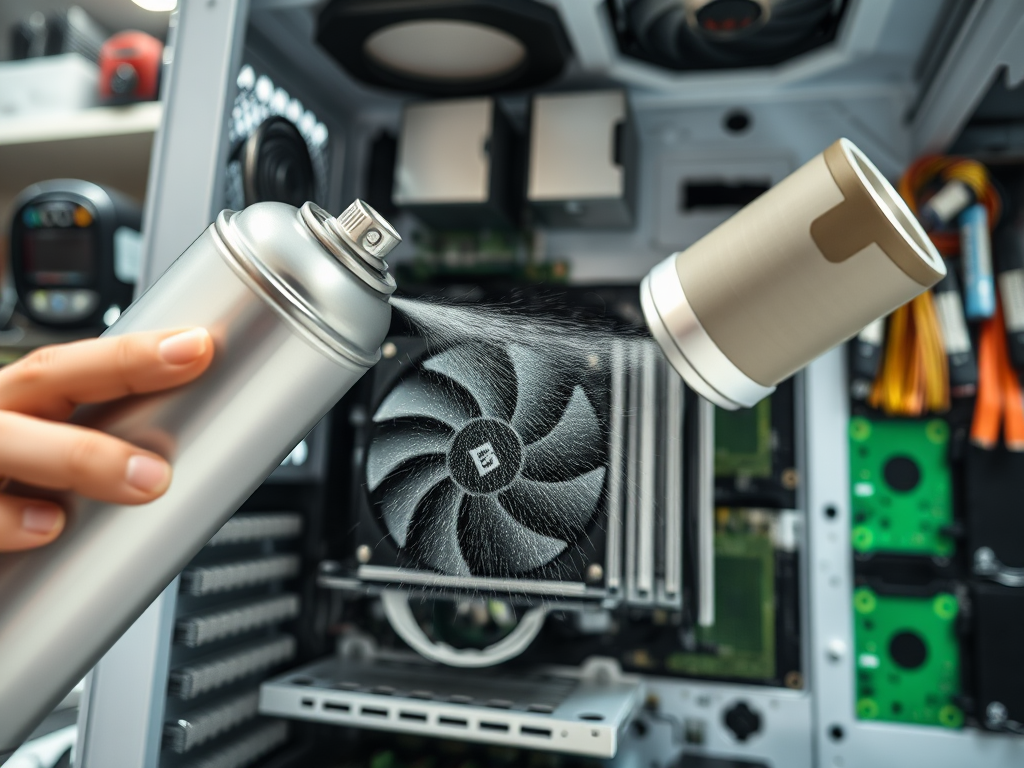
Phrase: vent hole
x=500 y=727
x=417 y=717
x=527 y=730
x=454 y=722
x=373 y=712
x=336 y=706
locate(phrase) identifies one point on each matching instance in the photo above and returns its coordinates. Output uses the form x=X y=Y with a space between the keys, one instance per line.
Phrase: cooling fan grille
x=487 y=461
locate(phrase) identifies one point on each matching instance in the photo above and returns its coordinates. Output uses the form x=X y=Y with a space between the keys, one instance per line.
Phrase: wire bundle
x=999 y=396
x=921 y=176
x=913 y=377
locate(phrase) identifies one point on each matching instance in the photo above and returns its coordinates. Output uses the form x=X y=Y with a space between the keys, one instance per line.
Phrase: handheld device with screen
x=75 y=249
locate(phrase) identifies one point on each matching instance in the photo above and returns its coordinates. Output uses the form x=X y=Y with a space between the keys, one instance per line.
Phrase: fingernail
x=184 y=347
x=40 y=519
x=147 y=474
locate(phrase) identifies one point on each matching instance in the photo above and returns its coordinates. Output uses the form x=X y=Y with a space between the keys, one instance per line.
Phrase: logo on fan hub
x=474 y=456
x=485 y=459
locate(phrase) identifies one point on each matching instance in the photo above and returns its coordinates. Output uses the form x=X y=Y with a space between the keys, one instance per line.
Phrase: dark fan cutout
x=486 y=469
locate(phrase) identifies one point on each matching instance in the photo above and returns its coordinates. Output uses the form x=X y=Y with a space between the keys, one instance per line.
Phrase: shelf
x=98 y=122
x=106 y=145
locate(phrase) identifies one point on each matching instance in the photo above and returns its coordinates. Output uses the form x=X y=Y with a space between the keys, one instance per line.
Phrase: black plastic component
x=902 y=473
x=908 y=649
x=718 y=194
x=345 y=26
x=999 y=666
x=1008 y=252
x=659 y=32
x=703 y=761
x=380 y=173
x=276 y=165
x=995 y=487
x=743 y=721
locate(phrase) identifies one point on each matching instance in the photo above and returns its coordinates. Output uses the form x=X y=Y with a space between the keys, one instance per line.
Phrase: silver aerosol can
x=297 y=304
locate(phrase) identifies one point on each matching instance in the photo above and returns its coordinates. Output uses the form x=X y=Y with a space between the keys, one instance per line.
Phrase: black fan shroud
x=657 y=31
x=489 y=461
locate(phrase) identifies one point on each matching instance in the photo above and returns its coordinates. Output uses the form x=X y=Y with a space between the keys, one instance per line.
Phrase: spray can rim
x=367 y=266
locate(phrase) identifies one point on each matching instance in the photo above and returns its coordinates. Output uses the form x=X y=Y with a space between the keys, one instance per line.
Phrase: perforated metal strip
x=252 y=527
x=217 y=671
x=195 y=728
x=208 y=579
x=195 y=631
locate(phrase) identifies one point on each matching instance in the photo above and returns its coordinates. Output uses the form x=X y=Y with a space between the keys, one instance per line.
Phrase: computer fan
x=535 y=467
x=721 y=34
x=487 y=461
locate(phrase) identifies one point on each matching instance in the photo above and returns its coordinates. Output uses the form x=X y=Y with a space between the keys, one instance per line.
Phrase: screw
x=371 y=238
x=594 y=572
x=388 y=349
x=790 y=479
x=363 y=553
x=995 y=713
x=835 y=650
x=984 y=560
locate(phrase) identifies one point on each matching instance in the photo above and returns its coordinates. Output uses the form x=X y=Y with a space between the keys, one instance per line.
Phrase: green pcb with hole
x=900 y=487
x=907 y=658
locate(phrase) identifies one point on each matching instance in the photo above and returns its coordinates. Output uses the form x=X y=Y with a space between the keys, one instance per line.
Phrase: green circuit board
x=743 y=441
x=743 y=635
x=908 y=658
x=900 y=487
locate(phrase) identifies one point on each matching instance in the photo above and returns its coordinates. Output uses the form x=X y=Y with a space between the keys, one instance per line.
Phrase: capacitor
x=976 y=252
x=1009 y=260
x=946 y=204
x=956 y=339
x=866 y=358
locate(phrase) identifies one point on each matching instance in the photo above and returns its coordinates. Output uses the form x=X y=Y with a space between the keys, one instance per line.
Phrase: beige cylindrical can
x=802 y=268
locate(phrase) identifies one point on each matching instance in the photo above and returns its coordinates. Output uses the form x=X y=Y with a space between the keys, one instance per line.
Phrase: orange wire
x=988 y=407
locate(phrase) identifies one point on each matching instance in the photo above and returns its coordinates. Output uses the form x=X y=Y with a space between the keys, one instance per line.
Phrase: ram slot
x=647 y=505
x=706 y=514
x=671 y=587
x=616 y=469
x=632 y=466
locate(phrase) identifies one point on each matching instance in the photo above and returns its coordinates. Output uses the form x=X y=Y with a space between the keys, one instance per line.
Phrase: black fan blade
x=560 y=509
x=573 y=446
x=437 y=530
x=391 y=450
x=404 y=494
x=495 y=544
x=466 y=366
x=536 y=380
x=419 y=398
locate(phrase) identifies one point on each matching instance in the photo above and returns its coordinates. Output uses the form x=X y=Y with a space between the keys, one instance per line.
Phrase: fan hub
x=485 y=456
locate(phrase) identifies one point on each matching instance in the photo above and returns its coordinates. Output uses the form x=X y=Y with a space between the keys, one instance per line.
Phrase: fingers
x=68 y=457
x=51 y=381
x=28 y=523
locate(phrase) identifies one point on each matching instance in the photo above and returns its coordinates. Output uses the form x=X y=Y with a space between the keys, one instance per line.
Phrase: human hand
x=42 y=389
